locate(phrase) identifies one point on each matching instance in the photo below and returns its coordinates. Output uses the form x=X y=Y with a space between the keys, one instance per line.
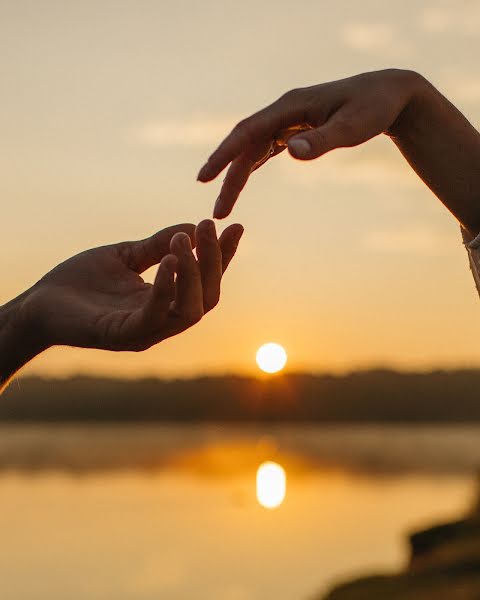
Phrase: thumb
x=337 y=132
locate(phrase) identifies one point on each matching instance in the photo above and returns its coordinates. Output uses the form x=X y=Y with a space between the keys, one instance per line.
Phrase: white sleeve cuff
x=472 y=244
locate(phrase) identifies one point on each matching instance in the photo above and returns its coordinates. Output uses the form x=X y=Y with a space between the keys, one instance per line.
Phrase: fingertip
x=164 y=281
x=232 y=235
x=206 y=226
x=299 y=148
x=216 y=208
x=181 y=242
x=204 y=175
x=237 y=230
x=229 y=242
x=238 y=234
x=169 y=263
x=189 y=229
x=221 y=210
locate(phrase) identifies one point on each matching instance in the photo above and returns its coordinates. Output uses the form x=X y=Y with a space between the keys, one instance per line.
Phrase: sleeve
x=472 y=244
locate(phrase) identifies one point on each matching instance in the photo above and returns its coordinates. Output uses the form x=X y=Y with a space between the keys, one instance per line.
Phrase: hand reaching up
x=98 y=299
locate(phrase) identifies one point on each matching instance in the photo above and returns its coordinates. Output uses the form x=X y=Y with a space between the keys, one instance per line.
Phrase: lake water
x=149 y=512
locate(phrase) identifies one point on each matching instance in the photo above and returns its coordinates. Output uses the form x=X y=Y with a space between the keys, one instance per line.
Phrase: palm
x=98 y=299
x=100 y=308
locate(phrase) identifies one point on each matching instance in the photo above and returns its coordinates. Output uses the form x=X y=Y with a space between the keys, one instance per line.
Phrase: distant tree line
x=367 y=396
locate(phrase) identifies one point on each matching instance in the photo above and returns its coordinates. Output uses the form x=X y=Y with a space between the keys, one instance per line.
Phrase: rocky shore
x=444 y=564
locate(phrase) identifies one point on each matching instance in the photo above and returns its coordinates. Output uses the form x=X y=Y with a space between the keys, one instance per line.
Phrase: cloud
x=451 y=17
x=194 y=130
x=412 y=239
x=374 y=37
x=435 y=20
x=367 y=36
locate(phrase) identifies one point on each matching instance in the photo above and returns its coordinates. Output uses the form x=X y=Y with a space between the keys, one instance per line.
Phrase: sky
x=108 y=109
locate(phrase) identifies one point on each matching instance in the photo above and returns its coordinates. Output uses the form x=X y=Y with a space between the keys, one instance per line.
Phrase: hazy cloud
x=451 y=17
x=373 y=37
x=412 y=239
x=194 y=130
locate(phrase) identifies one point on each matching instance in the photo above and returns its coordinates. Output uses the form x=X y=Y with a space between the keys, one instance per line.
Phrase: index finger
x=237 y=176
x=259 y=127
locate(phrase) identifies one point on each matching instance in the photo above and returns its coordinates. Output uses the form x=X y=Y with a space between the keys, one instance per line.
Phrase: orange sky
x=108 y=110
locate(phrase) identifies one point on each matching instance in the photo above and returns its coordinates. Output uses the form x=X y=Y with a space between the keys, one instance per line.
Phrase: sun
x=271 y=484
x=271 y=357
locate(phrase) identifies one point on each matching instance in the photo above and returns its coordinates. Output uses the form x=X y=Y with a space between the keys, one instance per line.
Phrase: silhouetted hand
x=98 y=299
x=310 y=122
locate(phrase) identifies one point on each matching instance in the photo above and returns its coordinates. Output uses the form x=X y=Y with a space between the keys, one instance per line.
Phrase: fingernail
x=300 y=148
x=217 y=212
x=208 y=228
x=184 y=241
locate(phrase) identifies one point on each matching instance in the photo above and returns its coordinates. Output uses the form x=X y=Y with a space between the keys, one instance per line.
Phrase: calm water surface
x=142 y=513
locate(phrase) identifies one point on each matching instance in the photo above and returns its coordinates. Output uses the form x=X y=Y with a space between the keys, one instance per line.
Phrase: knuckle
x=243 y=124
x=127 y=255
x=318 y=139
x=245 y=129
x=291 y=95
x=344 y=125
x=347 y=130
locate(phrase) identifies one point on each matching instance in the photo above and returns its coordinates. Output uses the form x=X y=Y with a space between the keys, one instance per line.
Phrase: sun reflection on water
x=271 y=484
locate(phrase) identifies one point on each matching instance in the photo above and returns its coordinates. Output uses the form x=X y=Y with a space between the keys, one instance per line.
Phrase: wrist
x=421 y=100
x=21 y=335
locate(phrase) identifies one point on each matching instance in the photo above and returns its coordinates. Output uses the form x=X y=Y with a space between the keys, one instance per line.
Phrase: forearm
x=444 y=150
x=19 y=339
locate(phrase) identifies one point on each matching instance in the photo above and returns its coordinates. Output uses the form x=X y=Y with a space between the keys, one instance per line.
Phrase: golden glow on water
x=271 y=358
x=271 y=484
x=193 y=490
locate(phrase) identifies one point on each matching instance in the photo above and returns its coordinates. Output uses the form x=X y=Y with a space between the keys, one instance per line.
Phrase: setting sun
x=271 y=484
x=271 y=358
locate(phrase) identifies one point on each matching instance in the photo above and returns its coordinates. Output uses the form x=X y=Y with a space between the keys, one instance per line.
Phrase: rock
x=444 y=565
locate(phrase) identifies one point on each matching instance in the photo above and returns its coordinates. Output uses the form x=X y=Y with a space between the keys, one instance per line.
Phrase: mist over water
x=227 y=450
x=121 y=512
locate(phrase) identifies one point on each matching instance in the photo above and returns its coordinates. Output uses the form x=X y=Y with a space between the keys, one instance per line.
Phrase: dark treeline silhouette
x=369 y=396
